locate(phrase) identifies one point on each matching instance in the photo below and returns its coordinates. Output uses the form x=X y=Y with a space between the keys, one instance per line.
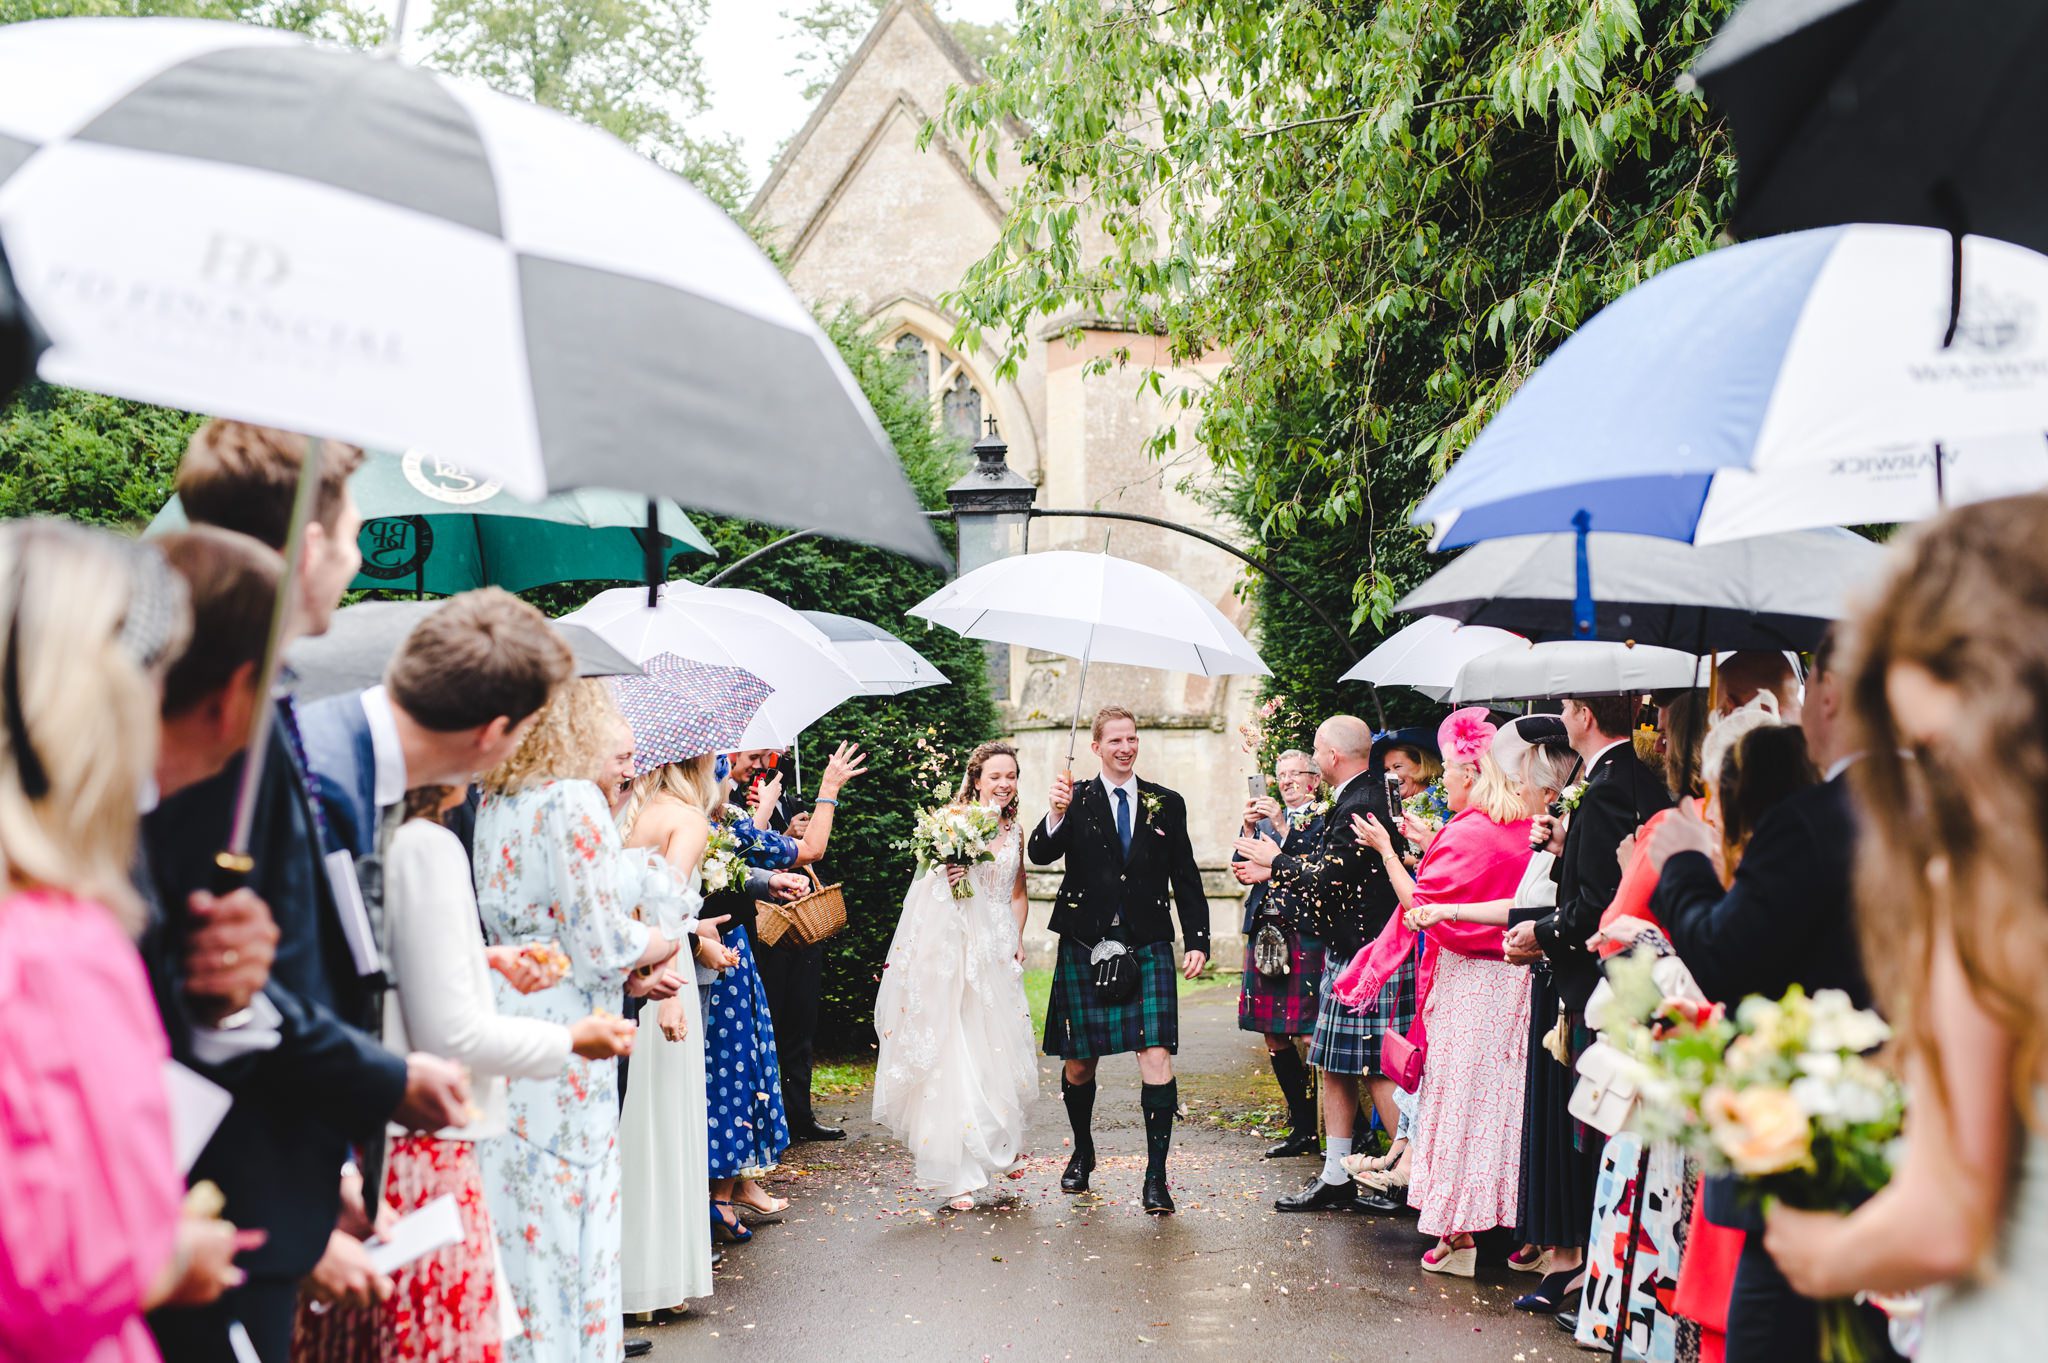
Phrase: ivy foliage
x=1384 y=214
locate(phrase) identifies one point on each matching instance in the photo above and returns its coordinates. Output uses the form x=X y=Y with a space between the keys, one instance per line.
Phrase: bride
x=957 y=1065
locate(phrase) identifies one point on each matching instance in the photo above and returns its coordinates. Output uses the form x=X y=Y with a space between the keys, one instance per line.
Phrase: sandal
x=1446 y=1256
x=1360 y=1165
x=733 y=1232
x=1530 y=1259
x=1551 y=1293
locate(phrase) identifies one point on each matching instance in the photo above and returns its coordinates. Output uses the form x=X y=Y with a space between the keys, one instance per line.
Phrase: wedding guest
x=664 y=1135
x=1344 y=898
x=1750 y=672
x=327 y=1084
x=1410 y=757
x=1561 y=1158
x=1465 y=1152
x=1945 y=686
x=1281 y=1007
x=792 y=972
x=459 y=696
x=546 y=870
x=92 y=1227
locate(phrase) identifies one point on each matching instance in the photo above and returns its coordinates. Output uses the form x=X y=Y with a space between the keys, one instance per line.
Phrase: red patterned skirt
x=445 y=1306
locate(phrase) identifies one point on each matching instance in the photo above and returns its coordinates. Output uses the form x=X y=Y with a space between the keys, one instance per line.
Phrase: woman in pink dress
x=91 y=1232
x=1472 y=1007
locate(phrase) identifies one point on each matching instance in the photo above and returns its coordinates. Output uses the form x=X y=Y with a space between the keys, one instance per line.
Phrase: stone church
x=866 y=218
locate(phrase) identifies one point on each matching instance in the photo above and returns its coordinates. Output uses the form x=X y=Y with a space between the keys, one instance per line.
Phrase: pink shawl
x=1472 y=860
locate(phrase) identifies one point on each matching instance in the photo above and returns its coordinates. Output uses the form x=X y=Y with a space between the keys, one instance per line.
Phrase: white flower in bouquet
x=956 y=835
x=722 y=867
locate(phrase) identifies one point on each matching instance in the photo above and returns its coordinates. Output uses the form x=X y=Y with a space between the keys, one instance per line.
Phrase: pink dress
x=89 y=1185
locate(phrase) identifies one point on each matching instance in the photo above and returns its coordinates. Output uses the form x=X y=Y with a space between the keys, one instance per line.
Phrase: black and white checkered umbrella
x=237 y=221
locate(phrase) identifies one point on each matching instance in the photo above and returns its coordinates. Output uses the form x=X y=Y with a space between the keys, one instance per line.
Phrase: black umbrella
x=21 y=340
x=359 y=642
x=1922 y=112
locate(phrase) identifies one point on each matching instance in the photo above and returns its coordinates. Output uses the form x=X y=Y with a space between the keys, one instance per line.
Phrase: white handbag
x=1608 y=1088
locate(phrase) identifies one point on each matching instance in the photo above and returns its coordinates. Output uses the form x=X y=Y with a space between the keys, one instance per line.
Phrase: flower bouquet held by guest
x=1283 y=972
x=546 y=869
x=957 y=1068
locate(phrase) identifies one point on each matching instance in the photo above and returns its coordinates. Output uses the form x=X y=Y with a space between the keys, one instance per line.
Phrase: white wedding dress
x=957 y=1067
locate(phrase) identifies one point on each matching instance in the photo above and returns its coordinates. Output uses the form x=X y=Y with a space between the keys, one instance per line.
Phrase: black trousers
x=792 y=976
x=265 y=1306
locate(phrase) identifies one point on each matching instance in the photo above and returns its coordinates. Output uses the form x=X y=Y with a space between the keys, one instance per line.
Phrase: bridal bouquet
x=1784 y=1096
x=722 y=866
x=956 y=835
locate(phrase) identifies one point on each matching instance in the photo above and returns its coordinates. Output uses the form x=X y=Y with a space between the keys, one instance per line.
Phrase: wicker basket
x=810 y=920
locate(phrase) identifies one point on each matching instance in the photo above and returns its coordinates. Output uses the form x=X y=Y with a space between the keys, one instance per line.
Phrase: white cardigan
x=442 y=1001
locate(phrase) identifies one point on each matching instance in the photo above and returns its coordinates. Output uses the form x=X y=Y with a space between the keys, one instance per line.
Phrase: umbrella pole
x=1074 y=730
x=1940 y=478
x=652 y=552
x=234 y=863
x=1582 y=601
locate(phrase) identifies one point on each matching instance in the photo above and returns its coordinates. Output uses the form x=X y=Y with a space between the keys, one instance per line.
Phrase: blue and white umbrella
x=1781 y=384
x=681 y=708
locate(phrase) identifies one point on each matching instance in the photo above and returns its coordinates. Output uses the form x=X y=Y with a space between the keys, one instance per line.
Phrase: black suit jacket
x=1337 y=890
x=1272 y=896
x=278 y=1154
x=1788 y=918
x=1621 y=794
x=1100 y=884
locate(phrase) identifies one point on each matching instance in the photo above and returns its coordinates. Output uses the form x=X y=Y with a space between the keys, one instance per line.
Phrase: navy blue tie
x=1123 y=820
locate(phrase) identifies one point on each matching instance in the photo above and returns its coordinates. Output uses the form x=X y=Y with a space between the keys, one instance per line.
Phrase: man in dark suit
x=327 y=1084
x=1341 y=893
x=1788 y=918
x=1125 y=842
x=1282 y=1007
x=1616 y=795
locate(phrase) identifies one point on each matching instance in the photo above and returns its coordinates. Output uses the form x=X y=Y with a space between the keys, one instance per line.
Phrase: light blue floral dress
x=547 y=871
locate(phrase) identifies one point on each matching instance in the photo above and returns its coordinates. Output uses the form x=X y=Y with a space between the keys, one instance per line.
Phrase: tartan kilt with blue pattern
x=1080 y=1026
x=1349 y=1043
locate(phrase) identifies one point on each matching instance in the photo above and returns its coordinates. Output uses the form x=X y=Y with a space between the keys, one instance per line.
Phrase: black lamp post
x=992 y=512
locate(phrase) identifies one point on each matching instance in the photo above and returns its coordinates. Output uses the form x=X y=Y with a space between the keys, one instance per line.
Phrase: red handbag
x=1402 y=1057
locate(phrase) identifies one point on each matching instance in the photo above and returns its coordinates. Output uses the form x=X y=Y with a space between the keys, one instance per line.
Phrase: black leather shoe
x=717 y=1257
x=1303 y=1143
x=1319 y=1196
x=818 y=1132
x=1156 y=1200
x=1075 y=1179
x=639 y=1348
x=1549 y=1294
x=1568 y=1321
x=1380 y=1203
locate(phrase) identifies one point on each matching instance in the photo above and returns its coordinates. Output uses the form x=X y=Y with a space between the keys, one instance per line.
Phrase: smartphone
x=1393 y=796
x=1254 y=786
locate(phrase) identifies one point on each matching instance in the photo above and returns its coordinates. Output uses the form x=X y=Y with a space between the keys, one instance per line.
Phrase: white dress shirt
x=1109 y=789
x=442 y=1001
x=388 y=780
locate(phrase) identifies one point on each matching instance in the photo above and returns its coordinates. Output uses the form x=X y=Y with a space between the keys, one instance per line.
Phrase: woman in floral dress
x=546 y=871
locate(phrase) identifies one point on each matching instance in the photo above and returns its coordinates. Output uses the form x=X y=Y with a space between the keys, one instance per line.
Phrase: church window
x=939 y=376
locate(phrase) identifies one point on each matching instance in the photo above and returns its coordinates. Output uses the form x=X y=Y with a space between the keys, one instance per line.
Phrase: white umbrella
x=237 y=221
x=1093 y=607
x=731 y=628
x=1426 y=655
x=885 y=665
x=1572 y=667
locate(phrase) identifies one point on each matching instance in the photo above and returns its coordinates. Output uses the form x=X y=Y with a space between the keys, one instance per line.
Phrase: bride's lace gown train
x=957 y=1067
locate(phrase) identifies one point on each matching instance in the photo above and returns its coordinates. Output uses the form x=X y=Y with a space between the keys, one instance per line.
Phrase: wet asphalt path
x=863 y=1267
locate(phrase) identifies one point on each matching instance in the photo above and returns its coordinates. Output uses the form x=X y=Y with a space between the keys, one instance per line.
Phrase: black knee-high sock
x=1292 y=1074
x=1080 y=1099
x=1160 y=1102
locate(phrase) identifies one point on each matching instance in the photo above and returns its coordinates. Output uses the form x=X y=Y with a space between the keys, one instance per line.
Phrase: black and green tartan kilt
x=1345 y=1042
x=1079 y=1026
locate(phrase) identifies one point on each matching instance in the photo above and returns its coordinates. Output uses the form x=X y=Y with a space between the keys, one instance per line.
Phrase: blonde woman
x=547 y=870
x=664 y=1134
x=957 y=1068
x=91 y=1228
x=1945 y=688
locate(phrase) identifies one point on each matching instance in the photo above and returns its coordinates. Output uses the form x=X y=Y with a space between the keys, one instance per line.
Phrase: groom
x=1126 y=846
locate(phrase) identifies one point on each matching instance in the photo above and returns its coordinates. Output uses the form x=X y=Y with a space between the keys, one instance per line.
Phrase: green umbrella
x=432 y=528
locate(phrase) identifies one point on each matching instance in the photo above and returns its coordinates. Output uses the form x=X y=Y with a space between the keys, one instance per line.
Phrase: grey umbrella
x=361 y=640
x=20 y=339
x=1773 y=591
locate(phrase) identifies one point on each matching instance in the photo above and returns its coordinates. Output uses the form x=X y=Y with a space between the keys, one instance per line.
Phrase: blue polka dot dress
x=742 y=1082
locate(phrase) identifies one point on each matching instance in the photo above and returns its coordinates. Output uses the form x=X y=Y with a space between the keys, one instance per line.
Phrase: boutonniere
x=1308 y=813
x=1571 y=796
x=1151 y=804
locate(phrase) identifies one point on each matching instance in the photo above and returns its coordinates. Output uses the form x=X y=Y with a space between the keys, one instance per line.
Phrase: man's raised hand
x=1062 y=793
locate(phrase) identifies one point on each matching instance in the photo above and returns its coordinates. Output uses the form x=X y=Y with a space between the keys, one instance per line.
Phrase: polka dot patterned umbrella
x=682 y=708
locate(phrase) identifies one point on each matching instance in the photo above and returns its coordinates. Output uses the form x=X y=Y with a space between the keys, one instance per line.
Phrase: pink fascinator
x=1465 y=735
